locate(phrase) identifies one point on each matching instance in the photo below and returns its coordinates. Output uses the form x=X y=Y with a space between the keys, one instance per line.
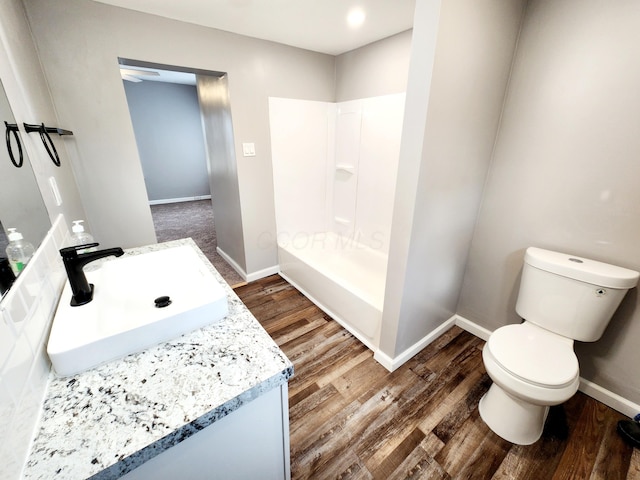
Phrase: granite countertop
x=109 y=420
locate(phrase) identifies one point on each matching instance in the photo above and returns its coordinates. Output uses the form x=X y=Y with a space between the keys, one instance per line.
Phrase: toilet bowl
x=562 y=298
x=531 y=369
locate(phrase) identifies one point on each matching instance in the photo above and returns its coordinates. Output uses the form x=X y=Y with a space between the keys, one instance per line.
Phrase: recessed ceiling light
x=356 y=17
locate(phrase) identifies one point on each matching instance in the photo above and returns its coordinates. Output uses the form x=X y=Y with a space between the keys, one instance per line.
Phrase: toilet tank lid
x=581 y=269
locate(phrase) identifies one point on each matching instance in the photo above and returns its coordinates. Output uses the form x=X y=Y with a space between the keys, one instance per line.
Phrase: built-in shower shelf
x=345 y=167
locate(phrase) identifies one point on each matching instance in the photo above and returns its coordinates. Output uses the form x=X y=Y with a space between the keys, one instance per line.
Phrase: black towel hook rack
x=46 y=139
x=12 y=128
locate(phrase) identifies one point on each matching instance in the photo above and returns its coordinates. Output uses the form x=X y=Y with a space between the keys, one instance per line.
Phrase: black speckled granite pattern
x=109 y=420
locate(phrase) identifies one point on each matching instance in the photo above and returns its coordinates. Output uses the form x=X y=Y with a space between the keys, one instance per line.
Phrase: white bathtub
x=344 y=278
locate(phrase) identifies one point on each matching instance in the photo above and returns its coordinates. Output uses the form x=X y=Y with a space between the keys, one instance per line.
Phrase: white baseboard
x=613 y=400
x=178 y=200
x=393 y=363
x=610 y=399
x=473 y=328
x=265 y=272
x=233 y=263
x=248 y=277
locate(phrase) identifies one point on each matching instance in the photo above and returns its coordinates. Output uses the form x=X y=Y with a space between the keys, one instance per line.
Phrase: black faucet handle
x=72 y=252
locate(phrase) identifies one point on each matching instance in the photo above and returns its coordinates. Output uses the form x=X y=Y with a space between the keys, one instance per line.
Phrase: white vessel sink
x=123 y=318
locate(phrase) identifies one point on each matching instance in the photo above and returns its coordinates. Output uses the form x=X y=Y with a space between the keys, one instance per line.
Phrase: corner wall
x=454 y=101
x=215 y=108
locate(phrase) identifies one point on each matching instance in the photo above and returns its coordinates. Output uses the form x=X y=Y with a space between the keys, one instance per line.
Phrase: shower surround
x=334 y=170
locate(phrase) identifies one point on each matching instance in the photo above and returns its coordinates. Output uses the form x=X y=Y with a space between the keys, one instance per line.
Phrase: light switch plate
x=249 y=149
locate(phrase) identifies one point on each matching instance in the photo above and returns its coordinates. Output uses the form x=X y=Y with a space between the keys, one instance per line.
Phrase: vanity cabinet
x=249 y=443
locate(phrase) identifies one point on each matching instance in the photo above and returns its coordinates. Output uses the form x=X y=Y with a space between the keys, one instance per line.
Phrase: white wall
x=367 y=150
x=80 y=41
x=25 y=319
x=335 y=168
x=300 y=135
x=380 y=135
x=345 y=166
x=565 y=171
x=460 y=61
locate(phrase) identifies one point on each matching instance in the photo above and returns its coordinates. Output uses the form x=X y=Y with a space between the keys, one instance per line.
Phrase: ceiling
x=317 y=25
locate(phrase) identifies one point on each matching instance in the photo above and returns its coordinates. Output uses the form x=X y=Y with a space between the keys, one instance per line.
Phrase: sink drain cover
x=163 y=301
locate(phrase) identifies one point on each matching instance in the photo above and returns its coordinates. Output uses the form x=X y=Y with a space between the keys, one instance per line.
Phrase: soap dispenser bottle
x=81 y=237
x=19 y=251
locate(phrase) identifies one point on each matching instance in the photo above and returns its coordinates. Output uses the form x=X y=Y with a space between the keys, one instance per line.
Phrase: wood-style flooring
x=352 y=419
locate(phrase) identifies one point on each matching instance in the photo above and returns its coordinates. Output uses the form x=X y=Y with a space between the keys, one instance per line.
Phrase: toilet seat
x=532 y=369
x=534 y=355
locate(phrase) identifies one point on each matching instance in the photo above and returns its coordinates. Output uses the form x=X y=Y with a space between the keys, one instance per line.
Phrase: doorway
x=168 y=125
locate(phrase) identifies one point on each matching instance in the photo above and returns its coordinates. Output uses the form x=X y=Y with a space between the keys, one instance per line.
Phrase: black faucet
x=74 y=263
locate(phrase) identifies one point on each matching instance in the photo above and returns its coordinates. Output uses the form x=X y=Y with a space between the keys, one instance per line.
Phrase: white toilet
x=562 y=298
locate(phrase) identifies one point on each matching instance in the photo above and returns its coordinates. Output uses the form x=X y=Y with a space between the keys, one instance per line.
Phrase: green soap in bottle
x=19 y=251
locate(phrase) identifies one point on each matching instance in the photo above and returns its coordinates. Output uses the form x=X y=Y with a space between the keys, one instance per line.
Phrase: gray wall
x=168 y=129
x=460 y=61
x=565 y=170
x=380 y=68
x=213 y=93
x=562 y=175
x=80 y=42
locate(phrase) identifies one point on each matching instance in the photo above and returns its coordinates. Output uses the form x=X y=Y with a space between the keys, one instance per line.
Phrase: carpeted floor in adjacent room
x=194 y=219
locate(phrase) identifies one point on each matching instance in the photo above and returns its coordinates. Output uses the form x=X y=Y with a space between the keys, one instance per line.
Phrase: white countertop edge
x=141 y=456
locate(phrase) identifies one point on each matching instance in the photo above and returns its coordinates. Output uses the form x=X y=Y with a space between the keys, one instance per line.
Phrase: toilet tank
x=571 y=296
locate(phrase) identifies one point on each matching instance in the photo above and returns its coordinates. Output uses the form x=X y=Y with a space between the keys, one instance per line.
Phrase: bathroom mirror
x=21 y=205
